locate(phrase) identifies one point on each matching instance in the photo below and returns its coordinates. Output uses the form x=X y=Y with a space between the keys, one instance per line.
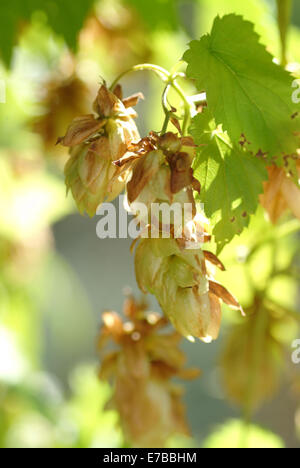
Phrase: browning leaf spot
x=243 y=141
x=261 y=154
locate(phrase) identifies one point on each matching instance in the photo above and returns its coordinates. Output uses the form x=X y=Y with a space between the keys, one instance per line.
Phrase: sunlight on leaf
x=246 y=91
x=231 y=178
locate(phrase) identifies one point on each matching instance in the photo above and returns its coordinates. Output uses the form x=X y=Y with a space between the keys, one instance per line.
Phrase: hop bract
x=181 y=282
x=141 y=364
x=96 y=141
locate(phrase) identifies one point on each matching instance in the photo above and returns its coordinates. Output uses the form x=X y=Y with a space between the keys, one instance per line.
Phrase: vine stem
x=160 y=71
x=170 y=80
x=187 y=106
x=165 y=108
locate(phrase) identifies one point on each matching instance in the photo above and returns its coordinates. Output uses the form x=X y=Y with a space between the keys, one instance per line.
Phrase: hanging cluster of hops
x=140 y=358
x=176 y=270
x=96 y=141
x=108 y=155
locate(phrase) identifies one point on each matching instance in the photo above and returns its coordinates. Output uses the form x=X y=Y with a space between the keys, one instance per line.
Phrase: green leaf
x=8 y=30
x=247 y=92
x=157 y=14
x=66 y=18
x=231 y=178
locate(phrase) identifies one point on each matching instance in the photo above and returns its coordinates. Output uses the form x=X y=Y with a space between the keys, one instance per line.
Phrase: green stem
x=168 y=78
x=161 y=72
x=165 y=108
x=165 y=124
x=177 y=66
x=187 y=106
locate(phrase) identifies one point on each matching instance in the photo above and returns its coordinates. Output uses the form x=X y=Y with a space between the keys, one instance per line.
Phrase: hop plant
x=96 y=141
x=237 y=143
x=181 y=281
x=140 y=365
x=172 y=269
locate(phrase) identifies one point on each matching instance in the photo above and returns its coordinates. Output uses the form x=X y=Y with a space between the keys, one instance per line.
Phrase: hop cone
x=141 y=365
x=162 y=174
x=180 y=280
x=96 y=142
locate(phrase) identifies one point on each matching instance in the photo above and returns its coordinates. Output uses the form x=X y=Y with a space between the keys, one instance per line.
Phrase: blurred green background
x=56 y=276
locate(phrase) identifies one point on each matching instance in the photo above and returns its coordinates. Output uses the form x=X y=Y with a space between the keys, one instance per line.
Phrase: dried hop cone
x=281 y=193
x=139 y=360
x=64 y=99
x=181 y=282
x=95 y=142
x=162 y=173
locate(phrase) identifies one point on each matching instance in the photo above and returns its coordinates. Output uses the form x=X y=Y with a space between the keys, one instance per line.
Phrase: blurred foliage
x=65 y=18
x=35 y=413
x=158 y=14
x=232 y=433
x=263 y=270
x=54 y=53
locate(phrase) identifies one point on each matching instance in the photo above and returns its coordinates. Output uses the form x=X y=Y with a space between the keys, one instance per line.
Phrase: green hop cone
x=180 y=281
x=91 y=177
